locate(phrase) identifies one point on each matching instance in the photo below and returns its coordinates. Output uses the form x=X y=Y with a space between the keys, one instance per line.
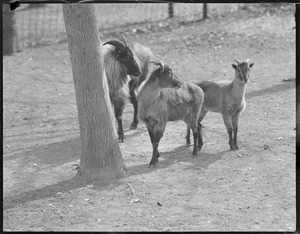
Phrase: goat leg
x=228 y=123
x=154 y=158
x=235 y=121
x=119 y=107
x=231 y=144
x=199 y=128
x=235 y=130
x=135 y=119
x=158 y=133
x=133 y=100
x=187 y=137
x=200 y=139
x=195 y=135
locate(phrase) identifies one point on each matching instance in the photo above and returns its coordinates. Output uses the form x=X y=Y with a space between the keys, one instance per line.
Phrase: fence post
x=204 y=11
x=9 y=32
x=171 y=10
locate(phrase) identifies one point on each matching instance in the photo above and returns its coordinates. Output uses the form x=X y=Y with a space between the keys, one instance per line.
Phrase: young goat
x=120 y=62
x=227 y=98
x=159 y=102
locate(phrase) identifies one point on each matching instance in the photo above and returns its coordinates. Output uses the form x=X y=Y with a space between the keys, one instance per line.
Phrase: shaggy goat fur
x=121 y=63
x=159 y=102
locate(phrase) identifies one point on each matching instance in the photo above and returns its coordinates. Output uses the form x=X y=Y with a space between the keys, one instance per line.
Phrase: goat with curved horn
x=125 y=67
x=159 y=63
x=124 y=40
x=118 y=44
x=237 y=61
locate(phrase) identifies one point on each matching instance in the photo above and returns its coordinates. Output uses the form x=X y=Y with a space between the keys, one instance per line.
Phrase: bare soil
x=252 y=189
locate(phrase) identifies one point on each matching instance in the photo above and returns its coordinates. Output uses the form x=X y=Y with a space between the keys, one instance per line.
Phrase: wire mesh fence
x=38 y=24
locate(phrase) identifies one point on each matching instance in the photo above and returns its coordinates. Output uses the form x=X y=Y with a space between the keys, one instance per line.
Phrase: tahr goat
x=227 y=98
x=160 y=102
x=120 y=62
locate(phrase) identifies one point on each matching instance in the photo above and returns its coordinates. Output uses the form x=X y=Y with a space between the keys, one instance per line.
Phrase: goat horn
x=118 y=44
x=124 y=40
x=237 y=61
x=159 y=63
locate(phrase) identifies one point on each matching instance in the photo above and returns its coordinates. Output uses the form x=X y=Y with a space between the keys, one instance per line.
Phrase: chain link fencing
x=42 y=24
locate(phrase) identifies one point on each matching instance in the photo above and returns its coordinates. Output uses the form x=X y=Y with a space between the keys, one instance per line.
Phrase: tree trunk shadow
x=270 y=90
x=167 y=159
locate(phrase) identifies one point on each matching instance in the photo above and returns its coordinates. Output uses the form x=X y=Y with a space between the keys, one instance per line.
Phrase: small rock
x=159 y=204
x=280 y=138
x=266 y=147
x=135 y=201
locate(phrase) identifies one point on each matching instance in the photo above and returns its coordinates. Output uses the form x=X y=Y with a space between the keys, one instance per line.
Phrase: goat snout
x=137 y=73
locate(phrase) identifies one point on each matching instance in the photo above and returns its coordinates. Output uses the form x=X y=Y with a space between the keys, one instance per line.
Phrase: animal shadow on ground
x=62 y=152
x=179 y=154
x=56 y=154
x=283 y=86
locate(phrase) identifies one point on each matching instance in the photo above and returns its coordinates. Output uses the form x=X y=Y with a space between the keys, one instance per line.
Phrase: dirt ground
x=252 y=189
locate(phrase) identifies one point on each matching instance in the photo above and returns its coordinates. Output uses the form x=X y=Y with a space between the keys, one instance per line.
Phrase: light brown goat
x=227 y=98
x=159 y=102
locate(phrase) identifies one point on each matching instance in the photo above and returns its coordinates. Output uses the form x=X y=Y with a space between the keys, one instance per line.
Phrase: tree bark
x=101 y=156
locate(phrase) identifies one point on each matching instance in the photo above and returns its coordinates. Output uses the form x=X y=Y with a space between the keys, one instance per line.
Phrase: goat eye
x=126 y=57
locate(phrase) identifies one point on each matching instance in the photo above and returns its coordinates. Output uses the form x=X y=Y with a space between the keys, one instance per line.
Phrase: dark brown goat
x=159 y=102
x=121 y=62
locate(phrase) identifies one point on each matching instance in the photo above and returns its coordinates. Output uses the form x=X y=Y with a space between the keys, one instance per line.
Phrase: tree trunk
x=100 y=152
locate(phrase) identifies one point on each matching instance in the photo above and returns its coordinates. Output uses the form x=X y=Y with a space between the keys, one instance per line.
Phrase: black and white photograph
x=149 y=116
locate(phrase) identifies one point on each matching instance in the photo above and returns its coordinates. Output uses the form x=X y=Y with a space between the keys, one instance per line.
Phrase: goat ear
x=234 y=66
x=251 y=65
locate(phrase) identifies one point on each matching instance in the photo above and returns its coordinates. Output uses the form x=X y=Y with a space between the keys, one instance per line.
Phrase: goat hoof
x=132 y=127
x=152 y=163
x=121 y=140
